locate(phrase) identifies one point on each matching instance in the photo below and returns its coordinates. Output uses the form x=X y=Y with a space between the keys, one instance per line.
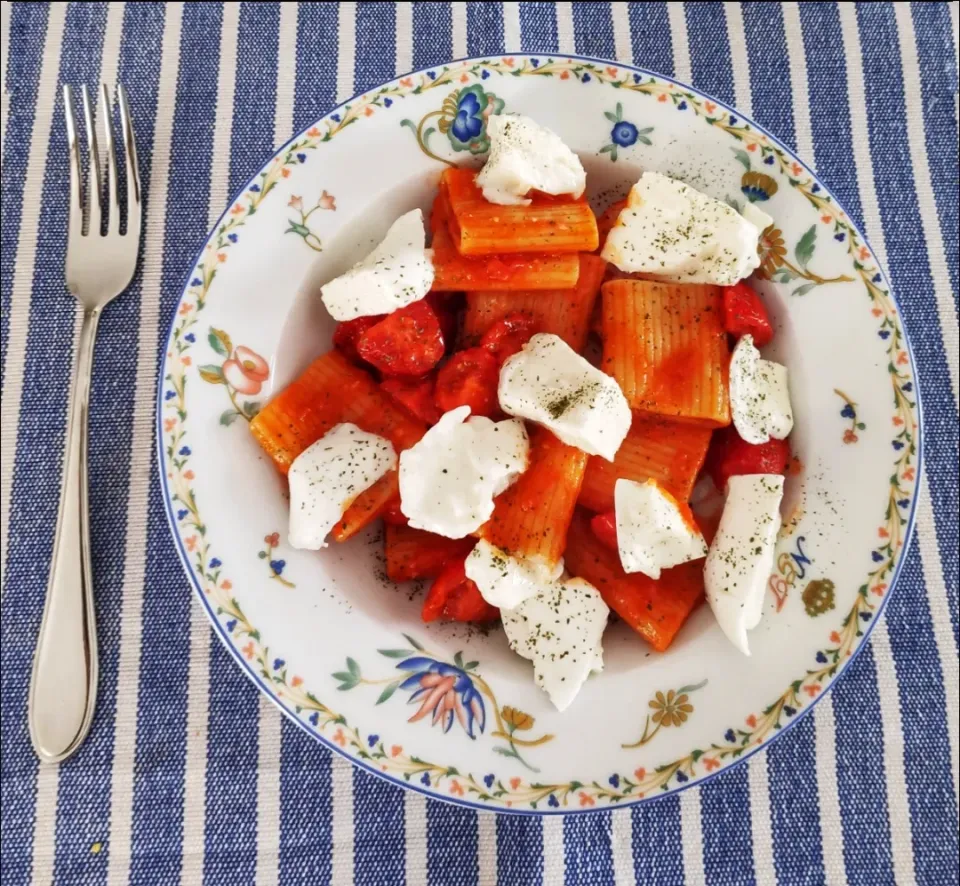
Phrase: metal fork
x=99 y=266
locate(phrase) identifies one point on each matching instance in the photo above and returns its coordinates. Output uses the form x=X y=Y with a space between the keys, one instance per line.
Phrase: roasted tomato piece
x=407 y=342
x=469 y=378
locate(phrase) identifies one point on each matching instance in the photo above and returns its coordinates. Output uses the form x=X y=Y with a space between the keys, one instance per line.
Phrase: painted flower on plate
x=671 y=709
x=445 y=692
x=464 y=118
x=246 y=371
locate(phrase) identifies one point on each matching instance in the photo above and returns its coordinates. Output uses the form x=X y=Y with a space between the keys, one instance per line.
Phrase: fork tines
x=101 y=202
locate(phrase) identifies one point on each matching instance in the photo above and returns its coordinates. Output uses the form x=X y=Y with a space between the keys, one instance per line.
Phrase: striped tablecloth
x=188 y=775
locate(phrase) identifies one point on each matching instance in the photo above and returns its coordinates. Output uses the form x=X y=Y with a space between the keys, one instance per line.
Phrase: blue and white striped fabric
x=188 y=776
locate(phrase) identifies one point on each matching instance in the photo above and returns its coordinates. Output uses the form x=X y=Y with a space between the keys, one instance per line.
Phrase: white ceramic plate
x=340 y=649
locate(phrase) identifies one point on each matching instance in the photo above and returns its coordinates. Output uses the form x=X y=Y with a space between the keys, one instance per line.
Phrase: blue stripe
x=432 y=38
x=927 y=756
x=376 y=51
x=28 y=30
x=538 y=27
x=484 y=28
x=306 y=809
x=587 y=850
x=860 y=774
x=230 y=834
x=593 y=29
x=910 y=269
x=19 y=617
x=770 y=87
x=157 y=829
x=451 y=845
x=316 y=63
x=727 y=840
x=519 y=851
x=938 y=84
x=795 y=805
x=709 y=49
x=650 y=37
x=378 y=821
x=657 y=842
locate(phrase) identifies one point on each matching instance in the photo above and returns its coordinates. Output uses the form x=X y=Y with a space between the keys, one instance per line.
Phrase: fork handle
x=63 y=688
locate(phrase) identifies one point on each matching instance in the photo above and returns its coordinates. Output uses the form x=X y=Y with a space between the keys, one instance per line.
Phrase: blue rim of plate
x=480 y=807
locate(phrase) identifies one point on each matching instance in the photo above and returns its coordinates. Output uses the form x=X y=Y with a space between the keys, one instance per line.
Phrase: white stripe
x=511 y=27
x=691 y=835
x=286 y=73
x=404 y=60
x=623 y=45
x=24 y=263
x=940 y=617
x=140 y=476
x=901 y=843
x=923 y=182
x=341 y=787
x=486 y=849
x=743 y=98
x=458 y=19
x=347 y=51
x=45 y=824
x=678 y=36
x=415 y=838
x=566 y=39
x=798 y=81
x=198 y=672
x=6 y=10
x=761 y=818
x=828 y=790
x=621 y=841
x=268 y=794
x=554 y=857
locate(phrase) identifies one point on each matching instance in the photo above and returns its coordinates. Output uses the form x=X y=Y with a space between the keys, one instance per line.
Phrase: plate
x=339 y=648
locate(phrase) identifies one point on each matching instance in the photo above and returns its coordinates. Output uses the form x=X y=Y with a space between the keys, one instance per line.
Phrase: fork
x=101 y=260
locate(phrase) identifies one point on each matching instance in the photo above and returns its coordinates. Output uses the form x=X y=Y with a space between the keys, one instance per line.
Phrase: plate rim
x=629 y=802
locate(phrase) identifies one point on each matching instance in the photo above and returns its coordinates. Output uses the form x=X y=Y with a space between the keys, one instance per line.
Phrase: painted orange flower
x=246 y=371
x=772 y=251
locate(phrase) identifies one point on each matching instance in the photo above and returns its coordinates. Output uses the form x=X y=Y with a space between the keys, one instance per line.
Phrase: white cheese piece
x=526 y=156
x=449 y=479
x=741 y=557
x=670 y=231
x=559 y=629
x=328 y=475
x=397 y=273
x=653 y=533
x=550 y=383
x=506 y=581
x=759 y=396
x=756 y=216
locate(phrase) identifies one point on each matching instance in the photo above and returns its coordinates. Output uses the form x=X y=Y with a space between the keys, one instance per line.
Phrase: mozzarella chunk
x=670 y=231
x=328 y=475
x=559 y=629
x=550 y=383
x=759 y=396
x=449 y=479
x=506 y=581
x=525 y=156
x=653 y=532
x=397 y=273
x=741 y=557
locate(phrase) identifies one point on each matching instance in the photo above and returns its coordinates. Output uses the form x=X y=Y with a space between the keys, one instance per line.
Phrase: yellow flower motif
x=672 y=709
x=516 y=718
x=772 y=251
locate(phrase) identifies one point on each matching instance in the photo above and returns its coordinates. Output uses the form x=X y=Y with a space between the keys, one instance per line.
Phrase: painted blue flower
x=445 y=691
x=181 y=514
x=553 y=801
x=624 y=134
x=840 y=237
x=314 y=718
x=821 y=658
x=682 y=776
x=904 y=502
x=196 y=281
x=614 y=780
x=255 y=188
x=425 y=779
x=757 y=186
x=215 y=563
x=848 y=411
x=682 y=107
x=877 y=277
x=908 y=387
x=585 y=78
x=190 y=337
x=335 y=118
x=768 y=159
x=866 y=616
x=789 y=711
x=278 y=663
x=372 y=740
x=815 y=188
x=232 y=238
x=184 y=450
x=231 y=625
x=488 y=779
x=897 y=444
x=884 y=333
x=877 y=556
x=169 y=395
x=733 y=120
x=730 y=735
x=535 y=62
x=468 y=123
x=278 y=566
x=302 y=158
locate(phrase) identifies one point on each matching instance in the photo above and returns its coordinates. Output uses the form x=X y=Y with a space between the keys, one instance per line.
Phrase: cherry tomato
x=348 y=333
x=604 y=527
x=744 y=314
x=730 y=455
x=416 y=394
x=508 y=335
x=407 y=342
x=454 y=597
x=393 y=515
x=469 y=378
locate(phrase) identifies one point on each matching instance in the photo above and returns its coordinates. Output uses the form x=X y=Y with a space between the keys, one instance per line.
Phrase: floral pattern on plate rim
x=738 y=740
